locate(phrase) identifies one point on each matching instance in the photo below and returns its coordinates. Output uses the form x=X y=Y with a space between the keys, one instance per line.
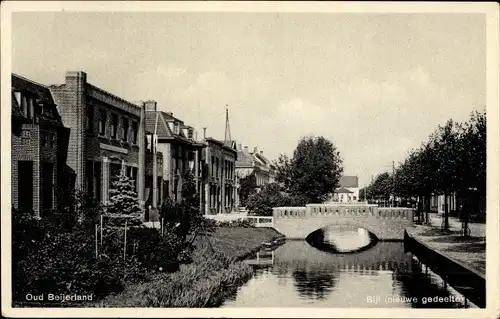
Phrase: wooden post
x=96 y=252
x=162 y=226
x=125 y=242
x=101 y=229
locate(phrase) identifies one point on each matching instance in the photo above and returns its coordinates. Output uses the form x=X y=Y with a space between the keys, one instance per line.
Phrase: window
x=24 y=105
x=114 y=125
x=102 y=122
x=217 y=167
x=133 y=132
x=354 y=198
x=212 y=171
x=17 y=95
x=31 y=108
x=125 y=129
x=90 y=118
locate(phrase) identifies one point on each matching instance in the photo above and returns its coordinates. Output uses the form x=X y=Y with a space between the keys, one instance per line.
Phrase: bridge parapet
x=289 y=212
x=384 y=222
x=343 y=209
x=395 y=213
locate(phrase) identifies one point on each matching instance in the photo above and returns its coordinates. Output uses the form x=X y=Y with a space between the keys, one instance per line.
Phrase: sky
x=376 y=85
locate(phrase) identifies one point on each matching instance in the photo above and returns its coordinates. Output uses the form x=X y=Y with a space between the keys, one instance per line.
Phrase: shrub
x=262 y=203
x=50 y=260
x=236 y=223
x=155 y=251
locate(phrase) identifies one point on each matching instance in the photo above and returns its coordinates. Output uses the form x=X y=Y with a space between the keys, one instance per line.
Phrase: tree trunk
x=419 y=210
x=446 y=221
x=465 y=213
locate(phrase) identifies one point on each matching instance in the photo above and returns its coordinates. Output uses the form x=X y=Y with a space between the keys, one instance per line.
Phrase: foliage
x=236 y=223
x=248 y=186
x=46 y=260
x=123 y=199
x=185 y=218
x=381 y=187
x=314 y=170
x=270 y=196
x=153 y=250
x=453 y=160
x=214 y=272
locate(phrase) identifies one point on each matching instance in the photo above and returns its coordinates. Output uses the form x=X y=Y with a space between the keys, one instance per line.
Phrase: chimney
x=246 y=149
x=150 y=105
x=239 y=147
x=261 y=152
x=255 y=150
x=204 y=133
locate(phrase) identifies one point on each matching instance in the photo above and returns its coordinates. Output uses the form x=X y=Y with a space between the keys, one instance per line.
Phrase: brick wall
x=70 y=101
x=26 y=147
x=75 y=100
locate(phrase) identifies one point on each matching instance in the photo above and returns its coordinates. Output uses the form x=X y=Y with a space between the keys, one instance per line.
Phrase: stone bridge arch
x=385 y=223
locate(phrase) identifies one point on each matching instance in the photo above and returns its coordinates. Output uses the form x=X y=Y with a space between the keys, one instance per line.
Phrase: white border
x=491 y=10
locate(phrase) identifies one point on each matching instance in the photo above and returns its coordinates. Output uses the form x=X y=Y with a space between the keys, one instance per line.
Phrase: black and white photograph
x=250 y=159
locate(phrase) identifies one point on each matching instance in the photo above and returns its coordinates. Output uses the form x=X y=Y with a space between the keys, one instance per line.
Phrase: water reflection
x=299 y=275
x=313 y=284
x=342 y=239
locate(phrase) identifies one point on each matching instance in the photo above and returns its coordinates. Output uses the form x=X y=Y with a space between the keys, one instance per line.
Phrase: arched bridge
x=384 y=222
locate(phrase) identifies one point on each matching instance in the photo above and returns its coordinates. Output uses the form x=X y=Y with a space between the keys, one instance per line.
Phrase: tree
x=123 y=199
x=185 y=218
x=314 y=171
x=381 y=187
x=270 y=196
x=248 y=186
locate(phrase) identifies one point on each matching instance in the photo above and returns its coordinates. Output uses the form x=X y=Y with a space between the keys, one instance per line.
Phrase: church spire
x=227 y=136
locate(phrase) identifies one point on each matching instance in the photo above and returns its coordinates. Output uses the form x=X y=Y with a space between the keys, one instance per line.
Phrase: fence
x=261 y=221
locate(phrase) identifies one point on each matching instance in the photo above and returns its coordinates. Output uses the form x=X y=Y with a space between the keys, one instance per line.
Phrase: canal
x=343 y=268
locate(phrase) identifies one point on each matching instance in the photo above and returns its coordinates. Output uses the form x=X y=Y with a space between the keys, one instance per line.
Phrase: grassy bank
x=214 y=273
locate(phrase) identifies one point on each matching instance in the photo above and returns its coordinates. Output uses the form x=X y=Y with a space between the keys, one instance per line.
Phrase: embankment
x=214 y=273
x=434 y=251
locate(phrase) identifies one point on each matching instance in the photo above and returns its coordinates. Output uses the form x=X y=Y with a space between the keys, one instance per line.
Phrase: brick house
x=106 y=133
x=221 y=190
x=255 y=162
x=39 y=143
x=176 y=143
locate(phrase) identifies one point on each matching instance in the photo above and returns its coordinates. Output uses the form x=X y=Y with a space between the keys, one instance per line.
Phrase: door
x=25 y=186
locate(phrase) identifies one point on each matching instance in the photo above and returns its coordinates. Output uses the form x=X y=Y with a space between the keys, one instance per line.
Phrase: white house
x=348 y=190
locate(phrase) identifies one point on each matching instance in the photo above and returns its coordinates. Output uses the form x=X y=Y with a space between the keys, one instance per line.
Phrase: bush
x=236 y=223
x=46 y=259
x=155 y=251
x=262 y=203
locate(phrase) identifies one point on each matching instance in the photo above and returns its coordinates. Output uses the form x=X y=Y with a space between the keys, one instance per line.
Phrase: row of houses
x=76 y=136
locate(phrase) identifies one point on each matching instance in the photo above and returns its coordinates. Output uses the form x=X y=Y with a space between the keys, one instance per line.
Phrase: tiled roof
x=348 y=181
x=244 y=159
x=161 y=128
x=22 y=84
x=343 y=190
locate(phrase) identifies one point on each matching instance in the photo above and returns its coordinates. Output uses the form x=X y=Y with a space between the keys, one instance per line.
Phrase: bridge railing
x=289 y=212
x=396 y=212
x=343 y=209
x=261 y=221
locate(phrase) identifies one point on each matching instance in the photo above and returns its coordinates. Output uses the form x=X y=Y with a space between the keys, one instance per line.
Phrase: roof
x=222 y=144
x=343 y=190
x=23 y=84
x=244 y=159
x=152 y=120
x=348 y=181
